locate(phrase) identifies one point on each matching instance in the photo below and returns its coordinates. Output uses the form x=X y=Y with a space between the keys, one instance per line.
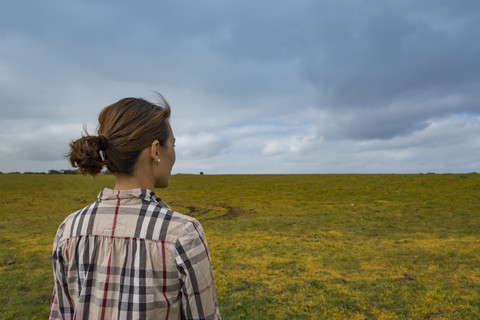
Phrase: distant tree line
x=67 y=171
x=63 y=171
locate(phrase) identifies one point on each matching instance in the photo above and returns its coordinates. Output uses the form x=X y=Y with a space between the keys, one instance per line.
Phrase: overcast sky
x=320 y=86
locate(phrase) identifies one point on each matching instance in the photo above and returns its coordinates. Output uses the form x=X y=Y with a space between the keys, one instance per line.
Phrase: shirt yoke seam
x=117 y=237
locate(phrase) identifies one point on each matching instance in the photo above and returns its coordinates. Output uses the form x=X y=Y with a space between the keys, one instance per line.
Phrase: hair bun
x=85 y=155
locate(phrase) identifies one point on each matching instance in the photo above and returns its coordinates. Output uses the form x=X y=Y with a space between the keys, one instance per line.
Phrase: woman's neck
x=133 y=182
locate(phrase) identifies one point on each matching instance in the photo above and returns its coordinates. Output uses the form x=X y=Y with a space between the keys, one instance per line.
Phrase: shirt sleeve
x=199 y=300
x=62 y=306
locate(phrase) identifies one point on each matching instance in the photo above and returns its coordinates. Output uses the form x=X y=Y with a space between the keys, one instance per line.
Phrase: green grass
x=283 y=246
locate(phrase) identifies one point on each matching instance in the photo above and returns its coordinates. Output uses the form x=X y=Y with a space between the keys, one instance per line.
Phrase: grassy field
x=283 y=246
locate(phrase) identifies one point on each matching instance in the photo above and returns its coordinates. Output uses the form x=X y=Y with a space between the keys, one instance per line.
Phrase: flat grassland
x=282 y=246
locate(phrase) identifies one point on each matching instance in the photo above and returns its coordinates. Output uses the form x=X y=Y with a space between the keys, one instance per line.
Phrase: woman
x=128 y=255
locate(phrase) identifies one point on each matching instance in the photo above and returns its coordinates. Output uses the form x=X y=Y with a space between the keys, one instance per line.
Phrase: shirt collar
x=145 y=195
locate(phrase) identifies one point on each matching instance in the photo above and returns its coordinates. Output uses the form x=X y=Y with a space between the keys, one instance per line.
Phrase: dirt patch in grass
x=197 y=210
x=220 y=211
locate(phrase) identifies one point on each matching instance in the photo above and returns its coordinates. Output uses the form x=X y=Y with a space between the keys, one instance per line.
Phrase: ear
x=155 y=150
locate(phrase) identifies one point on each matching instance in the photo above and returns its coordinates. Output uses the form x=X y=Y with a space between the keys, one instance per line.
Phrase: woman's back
x=129 y=256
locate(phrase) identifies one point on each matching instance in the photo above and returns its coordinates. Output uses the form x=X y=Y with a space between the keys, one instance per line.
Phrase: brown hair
x=129 y=126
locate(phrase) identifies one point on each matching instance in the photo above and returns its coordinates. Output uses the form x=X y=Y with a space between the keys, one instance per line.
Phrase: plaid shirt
x=128 y=256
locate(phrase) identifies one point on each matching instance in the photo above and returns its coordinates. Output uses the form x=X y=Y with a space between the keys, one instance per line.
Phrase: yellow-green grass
x=282 y=246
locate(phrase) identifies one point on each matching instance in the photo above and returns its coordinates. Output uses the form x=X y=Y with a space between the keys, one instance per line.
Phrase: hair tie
x=103 y=144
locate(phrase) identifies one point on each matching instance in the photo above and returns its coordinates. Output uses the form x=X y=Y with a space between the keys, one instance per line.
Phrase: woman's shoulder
x=180 y=223
x=71 y=217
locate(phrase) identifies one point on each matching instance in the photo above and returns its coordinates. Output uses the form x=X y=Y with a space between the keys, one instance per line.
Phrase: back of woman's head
x=125 y=129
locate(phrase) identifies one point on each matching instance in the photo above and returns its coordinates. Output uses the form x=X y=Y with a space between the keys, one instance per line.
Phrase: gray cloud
x=386 y=60
x=255 y=86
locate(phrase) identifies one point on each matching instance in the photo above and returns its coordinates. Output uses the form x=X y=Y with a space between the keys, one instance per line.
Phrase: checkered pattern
x=128 y=256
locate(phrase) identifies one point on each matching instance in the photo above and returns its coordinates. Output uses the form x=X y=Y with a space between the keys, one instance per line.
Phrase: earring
x=158 y=160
